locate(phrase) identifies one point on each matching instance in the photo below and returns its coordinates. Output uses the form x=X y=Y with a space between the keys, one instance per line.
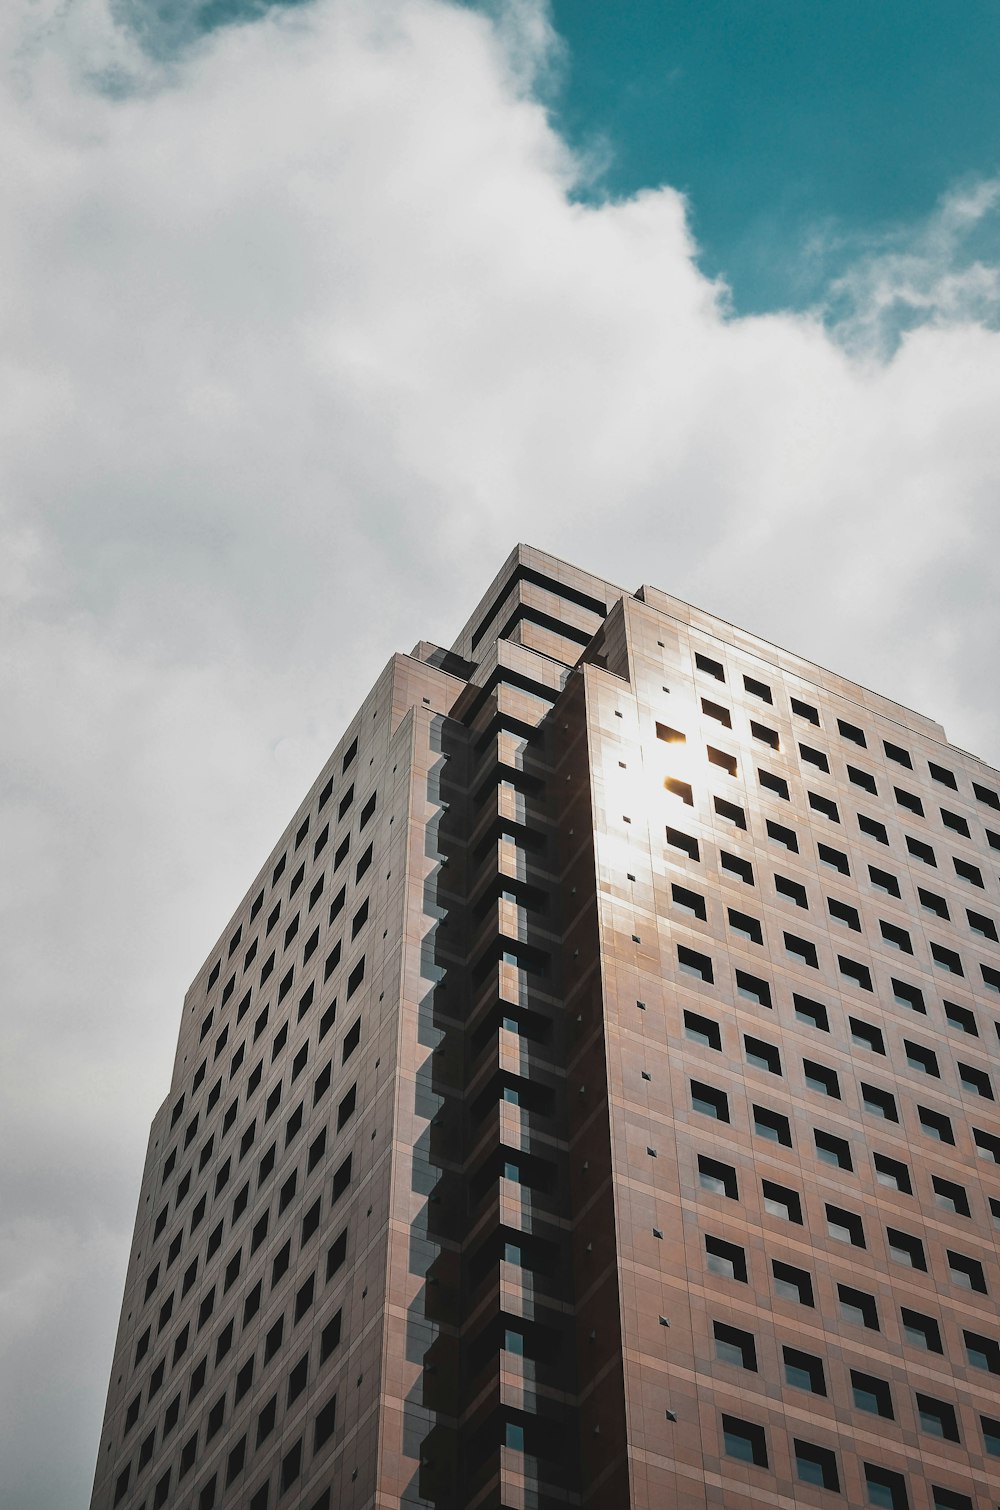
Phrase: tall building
x=590 y=1103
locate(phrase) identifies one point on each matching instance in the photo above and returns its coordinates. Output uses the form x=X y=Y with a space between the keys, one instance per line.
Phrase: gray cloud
x=301 y=330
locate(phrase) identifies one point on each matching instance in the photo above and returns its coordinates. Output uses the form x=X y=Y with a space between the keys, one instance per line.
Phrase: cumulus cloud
x=303 y=326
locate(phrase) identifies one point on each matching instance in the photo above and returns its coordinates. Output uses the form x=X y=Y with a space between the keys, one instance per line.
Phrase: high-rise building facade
x=590 y=1103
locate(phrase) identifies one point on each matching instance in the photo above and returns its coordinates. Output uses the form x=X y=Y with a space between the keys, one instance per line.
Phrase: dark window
x=720 y=758
x=336 y=1254
x=845 y=1226
x=937 y=1418
x=948 y=1499
x=982 y=1352
x=883 y=880
x=981 y=924
x=872 y=1394
x=726 y=1259
x=824 y=805
x=933 y=903
x=326 y=1420
x=946 y=959
x=909 y=800
x=908 y=996
x=693 y=963
x=885 y=1488
x=811 y=1012
x=716 y=1177
x=936 y=1124
x=758 y=689
x=738 y=867
x=342 y=1178
x=791 y=1283
x=991 y=1435
x=843 y=913
x=794 y=890
x=716 y=711
x=803 y=1370
x=892 y=1172
x=867 y=1033
x=730 y=811
x=805 y=710
x=764 y=1056
x=873 y=829
x=852 y=970
x=772 y=1126
x=734 y=1346
x=776 y=784
x=951 y=1197
x=781 y=1202
x=330 y=1337
x=816 y=1465
x=819 y=1077
x=690 y=901
x=744 y=1440
x=881 y=1103
x=919 y=1057
x=851 y=732
x=897 y=937
x=921 y=851
x=753 y=989
x=858 y=1306
x=921 y=1331
x=898 y=754
x=702 y=1030
x=802 y=949
x=975 y=1080
x=291 y=1466
x=781 y=835
x=955 y=822
x=966 y=1271
x=678 y=840
x=833 y=1150
x=709 y=1100
x=713 y=668
x=905 y=1248
x=815 y=757
x=745 y=925
x=863 y=779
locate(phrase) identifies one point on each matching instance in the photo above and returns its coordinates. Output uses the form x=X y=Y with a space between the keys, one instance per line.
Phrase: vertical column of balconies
x=518 y=1375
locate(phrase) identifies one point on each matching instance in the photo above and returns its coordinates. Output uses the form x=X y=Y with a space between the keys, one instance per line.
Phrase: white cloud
x=300 y=331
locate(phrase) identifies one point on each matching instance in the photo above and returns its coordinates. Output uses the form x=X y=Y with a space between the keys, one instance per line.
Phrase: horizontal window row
x=869 y=1392
x=746 y=1441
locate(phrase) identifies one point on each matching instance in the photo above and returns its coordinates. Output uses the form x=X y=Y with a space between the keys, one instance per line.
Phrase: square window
x=772 y=1126
x=752 y=988
x=872 y=1394
x=764 y=1056
x=693 y=963
x=689 y=901
x=845 y=1226
x=805 y=710
x=791 y=1283
x=937 y=1418
x=744 y=1440
x=783 y=836
x=702 y=1030
x=710 y=1101
x=781 y=1202
x=737 y=866
x=819 y=1077
x=833 y=1150
x=813 y=1013
x=746 y=926
x=725 y=1259
x=816 y=1465
x=905 y=1248
x=892 y=1172
x=873 y=829
x=734 y=1346
x=803 y=1371
x=921 y=1331
x=885 y=1488
x=858 y=1306
x=794 y=890
x=719 y=1178
x=950 y=1197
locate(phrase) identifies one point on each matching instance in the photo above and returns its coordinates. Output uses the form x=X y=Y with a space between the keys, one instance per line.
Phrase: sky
x=307 y=314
